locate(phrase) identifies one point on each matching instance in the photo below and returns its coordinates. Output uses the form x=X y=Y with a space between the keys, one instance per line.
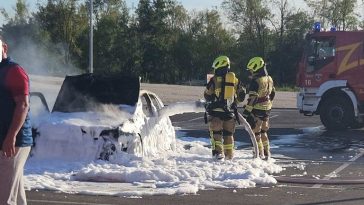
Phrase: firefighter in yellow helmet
x=222 y=94
x=261 y=93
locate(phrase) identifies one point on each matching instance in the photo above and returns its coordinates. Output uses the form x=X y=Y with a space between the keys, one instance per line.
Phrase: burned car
x=98 y=117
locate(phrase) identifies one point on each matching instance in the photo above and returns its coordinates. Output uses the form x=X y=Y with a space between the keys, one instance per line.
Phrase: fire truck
x=331 y=78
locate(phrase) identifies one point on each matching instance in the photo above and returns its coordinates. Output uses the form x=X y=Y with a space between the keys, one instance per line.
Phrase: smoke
x=41 y=58
x=42 y=61
x=114 y=112
x=94 y=113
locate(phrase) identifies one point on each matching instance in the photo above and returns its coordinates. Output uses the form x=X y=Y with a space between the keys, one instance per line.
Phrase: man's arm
x=20 y=113
x=17 y=82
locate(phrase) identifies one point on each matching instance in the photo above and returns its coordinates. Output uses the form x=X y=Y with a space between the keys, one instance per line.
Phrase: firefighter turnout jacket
x=261 y=93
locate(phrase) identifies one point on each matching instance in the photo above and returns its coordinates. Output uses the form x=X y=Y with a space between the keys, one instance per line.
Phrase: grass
x=287 y=88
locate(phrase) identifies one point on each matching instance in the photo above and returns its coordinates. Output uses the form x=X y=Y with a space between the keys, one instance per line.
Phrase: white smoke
x=39 y=59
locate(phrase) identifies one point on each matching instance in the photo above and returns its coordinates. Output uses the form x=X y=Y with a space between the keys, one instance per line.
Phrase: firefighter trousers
x=260 y=129
x=221 y=136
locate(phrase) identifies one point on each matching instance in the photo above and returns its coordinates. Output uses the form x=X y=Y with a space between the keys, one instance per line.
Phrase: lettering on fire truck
x=345 y=65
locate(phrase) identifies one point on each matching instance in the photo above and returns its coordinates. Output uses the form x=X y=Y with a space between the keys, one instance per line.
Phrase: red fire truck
x=331 y=78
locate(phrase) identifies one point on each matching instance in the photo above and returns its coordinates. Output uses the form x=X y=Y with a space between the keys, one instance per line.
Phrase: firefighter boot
x=265 y=141
x=220 y=156
x=261 y=149
x=215 y=127
x=219 y=150
x=266 y=150
x=229 y=147
x=215 y=139
x=217 y=147
x=213 y=146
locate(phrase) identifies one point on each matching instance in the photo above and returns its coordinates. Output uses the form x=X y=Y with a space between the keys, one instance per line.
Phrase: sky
x=167 y=162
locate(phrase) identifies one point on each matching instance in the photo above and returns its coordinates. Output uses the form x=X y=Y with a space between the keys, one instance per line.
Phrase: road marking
x=273 y=116
x=308 y=187
x=342 y=167
x=65 y=202
x=193 y=119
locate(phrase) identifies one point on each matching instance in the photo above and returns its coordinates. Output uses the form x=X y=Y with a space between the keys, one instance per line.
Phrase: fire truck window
x=325 y=50
x=320 y=53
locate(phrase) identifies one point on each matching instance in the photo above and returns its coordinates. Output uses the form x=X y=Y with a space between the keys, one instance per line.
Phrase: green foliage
x=64 y=21
x=338 y=13
x=162 y=42
x=287 y=88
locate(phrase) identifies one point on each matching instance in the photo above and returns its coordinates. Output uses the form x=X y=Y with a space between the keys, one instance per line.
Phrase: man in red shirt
x=15 y=129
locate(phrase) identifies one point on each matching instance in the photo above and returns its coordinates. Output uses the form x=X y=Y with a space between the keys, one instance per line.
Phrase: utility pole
x=91 y=46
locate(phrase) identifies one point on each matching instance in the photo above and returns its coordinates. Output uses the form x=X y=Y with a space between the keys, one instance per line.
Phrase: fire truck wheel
x=336 y=113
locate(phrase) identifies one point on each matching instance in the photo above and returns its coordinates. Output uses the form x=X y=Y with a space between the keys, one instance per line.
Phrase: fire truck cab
x=331 y=78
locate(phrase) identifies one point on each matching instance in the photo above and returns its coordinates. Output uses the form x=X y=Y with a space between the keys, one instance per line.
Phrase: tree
x=347 y=17
x=337 y=13
x=29 y=44
x=162 y=42
x=320 y=10
x=112 y=41
x=156 y=39
x=209 y=40
x=21 y=13
x=65 y=21
x=251 y=17
x=284 y=59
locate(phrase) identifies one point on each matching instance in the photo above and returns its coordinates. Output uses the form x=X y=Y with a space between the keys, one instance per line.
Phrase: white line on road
x=193 y=119
x=342 y=167
x=273 y=116
x=65 y=202
x=308 y=187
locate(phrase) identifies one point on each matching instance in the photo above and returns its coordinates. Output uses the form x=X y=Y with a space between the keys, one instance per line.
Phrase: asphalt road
x=330 y=171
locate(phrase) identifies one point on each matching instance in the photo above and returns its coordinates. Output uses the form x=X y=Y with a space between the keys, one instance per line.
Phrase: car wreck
x=98 y=117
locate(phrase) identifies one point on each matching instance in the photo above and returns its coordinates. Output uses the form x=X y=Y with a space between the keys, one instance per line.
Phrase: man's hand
x=9 y=146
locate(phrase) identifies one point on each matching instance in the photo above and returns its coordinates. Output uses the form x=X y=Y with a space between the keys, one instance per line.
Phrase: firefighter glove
x=207 y=105
x=246 y=114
